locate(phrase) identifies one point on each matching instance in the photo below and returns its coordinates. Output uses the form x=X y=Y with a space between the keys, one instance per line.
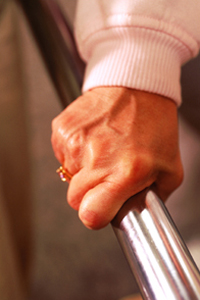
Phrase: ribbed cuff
x=137 y=58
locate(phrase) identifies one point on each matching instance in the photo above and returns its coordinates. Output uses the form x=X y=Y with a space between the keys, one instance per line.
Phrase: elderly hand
x=115 y=142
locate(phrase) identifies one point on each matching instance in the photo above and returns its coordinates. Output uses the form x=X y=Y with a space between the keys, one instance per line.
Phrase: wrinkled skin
x=115 y=142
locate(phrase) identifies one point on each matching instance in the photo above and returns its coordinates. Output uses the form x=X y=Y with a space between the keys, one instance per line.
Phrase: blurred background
x=43 y=245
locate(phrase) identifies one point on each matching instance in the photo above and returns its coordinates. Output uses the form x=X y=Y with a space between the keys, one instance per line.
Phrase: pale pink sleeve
x=139 y=44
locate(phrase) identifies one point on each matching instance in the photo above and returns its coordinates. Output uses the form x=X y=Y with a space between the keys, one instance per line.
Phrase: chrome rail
x=159 y=259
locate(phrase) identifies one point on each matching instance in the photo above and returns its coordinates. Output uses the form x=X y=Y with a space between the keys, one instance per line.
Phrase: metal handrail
x=158 y=257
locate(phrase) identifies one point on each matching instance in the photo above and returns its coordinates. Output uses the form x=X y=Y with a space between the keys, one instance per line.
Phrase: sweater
x=139 y=44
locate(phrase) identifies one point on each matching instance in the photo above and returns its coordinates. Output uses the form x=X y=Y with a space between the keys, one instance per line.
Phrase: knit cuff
x=137 y=58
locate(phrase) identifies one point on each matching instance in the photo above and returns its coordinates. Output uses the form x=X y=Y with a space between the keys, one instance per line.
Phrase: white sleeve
x=139 y=44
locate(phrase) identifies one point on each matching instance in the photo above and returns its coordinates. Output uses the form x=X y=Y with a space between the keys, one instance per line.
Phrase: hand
x=115 y=142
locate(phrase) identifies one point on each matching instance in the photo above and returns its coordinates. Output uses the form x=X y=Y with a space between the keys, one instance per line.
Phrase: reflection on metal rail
x=159 y=259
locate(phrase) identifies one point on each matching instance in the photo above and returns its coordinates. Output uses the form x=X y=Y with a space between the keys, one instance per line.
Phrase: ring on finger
x=64 y=174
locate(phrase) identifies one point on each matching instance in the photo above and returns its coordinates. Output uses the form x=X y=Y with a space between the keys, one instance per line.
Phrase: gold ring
x=64 y=174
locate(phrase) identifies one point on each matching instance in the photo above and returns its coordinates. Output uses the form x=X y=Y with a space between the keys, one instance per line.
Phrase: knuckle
x=67 y=140
x=53 y=123
x=74 y=143
x=139 y=168
x=53 y=128
x=58 y=132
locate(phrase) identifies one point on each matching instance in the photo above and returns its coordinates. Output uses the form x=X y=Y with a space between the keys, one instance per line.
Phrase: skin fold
x=115 y=142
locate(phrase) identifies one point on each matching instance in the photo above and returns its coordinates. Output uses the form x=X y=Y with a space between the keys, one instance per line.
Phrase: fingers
x=97 y=200
x=68 y=147
x=100 y=204
x=95 y=197
x=98 y=195
x=80 y=183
